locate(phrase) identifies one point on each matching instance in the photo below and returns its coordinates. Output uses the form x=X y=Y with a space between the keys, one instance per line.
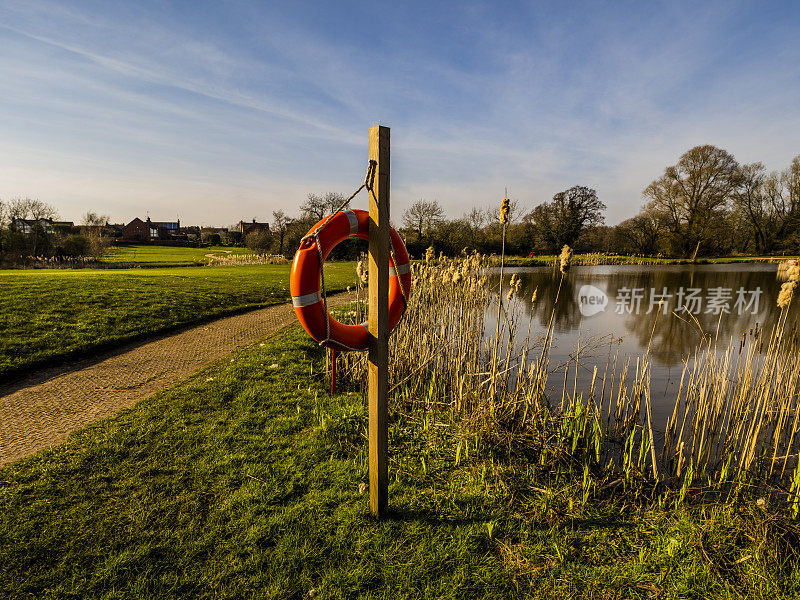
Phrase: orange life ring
x=306 y=274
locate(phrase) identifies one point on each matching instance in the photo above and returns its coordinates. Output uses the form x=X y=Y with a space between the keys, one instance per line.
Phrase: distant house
x=148 y=230
x=245 y=227
x=49 y=226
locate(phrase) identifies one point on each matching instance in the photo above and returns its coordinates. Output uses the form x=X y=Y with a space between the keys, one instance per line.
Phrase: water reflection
x=721 y=302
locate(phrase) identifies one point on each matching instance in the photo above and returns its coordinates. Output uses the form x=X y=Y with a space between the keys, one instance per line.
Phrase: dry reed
x=734 y=422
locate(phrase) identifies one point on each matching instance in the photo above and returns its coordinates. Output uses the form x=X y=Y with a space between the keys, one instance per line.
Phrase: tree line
x=40 y=239
x=705 y=204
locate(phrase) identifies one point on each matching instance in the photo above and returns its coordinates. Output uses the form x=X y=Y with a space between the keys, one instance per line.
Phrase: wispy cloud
x=265 y=103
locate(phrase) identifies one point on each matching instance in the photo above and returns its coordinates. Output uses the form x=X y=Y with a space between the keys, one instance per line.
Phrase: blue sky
x=216 y=111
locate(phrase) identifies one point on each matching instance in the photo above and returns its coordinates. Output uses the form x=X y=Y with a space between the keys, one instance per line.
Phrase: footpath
x=44 y=407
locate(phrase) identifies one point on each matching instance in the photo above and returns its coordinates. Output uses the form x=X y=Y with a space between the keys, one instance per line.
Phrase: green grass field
x=244 y=482
x=146 y=255
x=48 y=314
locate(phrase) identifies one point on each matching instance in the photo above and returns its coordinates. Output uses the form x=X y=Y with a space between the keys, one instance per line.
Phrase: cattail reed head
x=430 y=253
x=362 y=271
x=505 y=207
x=786 y=293
x=533 y=298
x=787 y=289
x=566 y=259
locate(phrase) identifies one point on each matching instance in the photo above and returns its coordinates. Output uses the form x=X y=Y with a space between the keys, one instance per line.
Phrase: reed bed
x=233 y=260
x=465 y=364
x=58 y=262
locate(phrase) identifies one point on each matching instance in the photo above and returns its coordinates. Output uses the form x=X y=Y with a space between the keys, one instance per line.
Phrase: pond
x=612 y=312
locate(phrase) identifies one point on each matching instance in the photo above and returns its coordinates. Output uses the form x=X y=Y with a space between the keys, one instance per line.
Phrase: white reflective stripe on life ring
x=351 y=216
x=402 y=269
x=306 y=299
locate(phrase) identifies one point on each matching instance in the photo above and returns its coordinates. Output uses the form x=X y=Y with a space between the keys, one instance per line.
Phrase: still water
x=614 y=310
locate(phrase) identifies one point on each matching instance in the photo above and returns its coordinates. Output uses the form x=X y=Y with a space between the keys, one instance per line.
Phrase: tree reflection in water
x=675 y=336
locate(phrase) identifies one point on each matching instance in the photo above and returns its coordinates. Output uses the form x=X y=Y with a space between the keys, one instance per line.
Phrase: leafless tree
x=316 y=207
x=691 y=194
x=259 y=240
x=93 y=225
x=280 y=226
x=26 y=208
x=640 y=234
x=751 y=202
x=92 y=219
x=422 y=217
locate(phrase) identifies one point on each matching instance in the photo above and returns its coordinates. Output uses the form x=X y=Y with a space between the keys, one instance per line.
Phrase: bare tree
x=92 y=219
x=280 y=226
x=690 y=195
x=259 y=240
x=318 y=207
x=41 y=210
x=750 y=201
x=640 y=234
x=475 y=222
x=422 y=217
x=93 y=225
x=476 y=218
x=790 y=180
x=26 y=208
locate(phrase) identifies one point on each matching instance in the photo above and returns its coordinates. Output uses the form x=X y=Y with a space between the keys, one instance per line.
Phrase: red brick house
x=150 y=230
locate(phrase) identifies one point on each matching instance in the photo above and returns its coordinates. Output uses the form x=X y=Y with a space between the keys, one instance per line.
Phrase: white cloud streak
x=601 y=99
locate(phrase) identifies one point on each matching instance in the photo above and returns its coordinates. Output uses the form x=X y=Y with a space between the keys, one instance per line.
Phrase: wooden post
x=379 y=321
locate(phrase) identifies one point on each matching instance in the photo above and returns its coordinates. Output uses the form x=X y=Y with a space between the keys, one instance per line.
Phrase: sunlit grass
x=153 y=255
x=247 y=481
x=53 y=313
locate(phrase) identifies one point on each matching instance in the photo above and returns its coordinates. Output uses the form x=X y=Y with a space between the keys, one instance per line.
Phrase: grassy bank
x=619 y=259
x=244 y=482
x=167 y=256
x=47 y=314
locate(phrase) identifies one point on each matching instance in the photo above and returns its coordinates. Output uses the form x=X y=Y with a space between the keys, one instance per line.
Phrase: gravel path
x=43 y=408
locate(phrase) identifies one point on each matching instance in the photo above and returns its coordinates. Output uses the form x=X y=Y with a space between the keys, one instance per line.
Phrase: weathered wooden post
x=379 y=321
